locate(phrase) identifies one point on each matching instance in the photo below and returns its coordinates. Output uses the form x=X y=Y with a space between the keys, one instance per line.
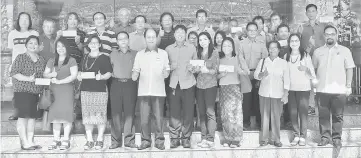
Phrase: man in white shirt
x=151 y=66
x=334 y=68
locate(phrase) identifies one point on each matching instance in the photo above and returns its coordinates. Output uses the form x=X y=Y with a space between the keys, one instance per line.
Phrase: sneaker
x=201 y=143
x=209 y=144
x=302 y=142
x=295 y=141
x=88 y=145
x=225 y=145
x=311 y=110
x=99 y=145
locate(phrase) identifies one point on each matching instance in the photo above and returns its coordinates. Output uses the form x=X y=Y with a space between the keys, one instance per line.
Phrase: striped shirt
x=75 y=52
x=107 y=38
x=118 y=28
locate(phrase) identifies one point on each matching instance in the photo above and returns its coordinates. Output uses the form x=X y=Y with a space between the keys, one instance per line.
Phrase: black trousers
x=251 y=105
x=181 y=112
x=331 y=104
x=151 y=105
x=123 y=98
x=298 y=108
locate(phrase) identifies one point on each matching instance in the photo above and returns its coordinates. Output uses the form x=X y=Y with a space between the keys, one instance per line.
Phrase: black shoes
x=174 y=143
x=323 y=142
x=131 y=145
x=114 y=146
x=263 y=143
x=337 y=143
x=12 y=118
x=186 y=143
x=144 y=146
x=160 y=146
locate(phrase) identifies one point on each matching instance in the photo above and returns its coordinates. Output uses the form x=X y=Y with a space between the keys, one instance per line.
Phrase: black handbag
x=46 y=99
x=258 y=83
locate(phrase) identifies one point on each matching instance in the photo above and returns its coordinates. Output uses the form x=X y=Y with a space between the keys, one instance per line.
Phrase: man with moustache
x=334 y=68
x=151 y=66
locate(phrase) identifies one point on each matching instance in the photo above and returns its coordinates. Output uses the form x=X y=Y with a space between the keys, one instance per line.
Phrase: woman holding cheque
x=62 y=70
x=230 y=93
x=95 y=71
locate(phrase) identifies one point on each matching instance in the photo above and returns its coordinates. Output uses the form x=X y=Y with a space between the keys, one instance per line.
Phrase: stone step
x=250 y=139
x=250 y=148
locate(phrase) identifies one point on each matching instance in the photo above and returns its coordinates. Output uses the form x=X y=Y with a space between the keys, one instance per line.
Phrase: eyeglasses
x=330 y=34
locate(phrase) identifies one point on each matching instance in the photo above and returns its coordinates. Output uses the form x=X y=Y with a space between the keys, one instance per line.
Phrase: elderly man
x=334 y=68
x=151 y=66
x=124 y=18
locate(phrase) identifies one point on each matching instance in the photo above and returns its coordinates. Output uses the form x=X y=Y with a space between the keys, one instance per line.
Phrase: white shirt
x=331 y=65
x=150 y=65
x=278 y=79
x=300 y=80
x=16 y=41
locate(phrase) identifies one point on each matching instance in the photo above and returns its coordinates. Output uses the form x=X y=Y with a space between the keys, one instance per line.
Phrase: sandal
x=54 y=145
x=65 y=144
x=88 y=145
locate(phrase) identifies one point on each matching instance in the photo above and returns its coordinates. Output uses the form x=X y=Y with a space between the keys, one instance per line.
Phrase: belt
x=122 y=79
x=252 y=69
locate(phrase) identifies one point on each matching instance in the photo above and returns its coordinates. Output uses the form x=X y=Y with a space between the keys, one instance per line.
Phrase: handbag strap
x=262 y=64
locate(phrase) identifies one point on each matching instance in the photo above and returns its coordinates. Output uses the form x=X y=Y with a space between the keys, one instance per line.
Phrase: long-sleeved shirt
x=277 y=80
x=180 y=56
x=331 y=64
x=252 y=51
x=206 y=80
x=300 y=80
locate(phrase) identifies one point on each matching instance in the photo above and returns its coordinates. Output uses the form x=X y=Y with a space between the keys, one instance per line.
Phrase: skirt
x=94 y=107
x=61 y=111
x=231 y=112
x=26 y=104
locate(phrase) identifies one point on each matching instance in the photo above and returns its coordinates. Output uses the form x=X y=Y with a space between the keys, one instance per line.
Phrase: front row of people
x=281 y=80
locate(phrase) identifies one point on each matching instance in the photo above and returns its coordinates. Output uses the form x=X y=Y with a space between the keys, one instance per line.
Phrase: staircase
x=351 y=140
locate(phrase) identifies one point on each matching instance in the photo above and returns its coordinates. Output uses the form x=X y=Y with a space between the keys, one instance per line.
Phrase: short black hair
x=193 y=33
x=145 y=19
x=201 y=11
x=164 y=14
x=67 y=18
x=278 y=45
x=258 y=18
x=330 y=26
x=251 y=23
x=32 y=37
x=180 y=27
x=276 y=14
x=123 y=32
x=222 y=33
x=283 y=25
x=221 y=53
x=105 y=17
x=310 y=6
x=49 y=20
x=17 y=25
x=147 y=29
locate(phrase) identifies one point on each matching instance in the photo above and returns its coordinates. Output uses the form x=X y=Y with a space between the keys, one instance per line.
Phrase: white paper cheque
x=87 y=75
x=42 y=81
x=236 y=29
x=69 y=33
x=197 y=62
x=326 y=19
x=224 y=68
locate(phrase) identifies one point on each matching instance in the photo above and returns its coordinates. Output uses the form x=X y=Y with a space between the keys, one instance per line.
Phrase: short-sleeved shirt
x=167 y=39
x=150 y=64
x=206 y=29
x=181 y=56
x=119 y=28
x=95 y=64
x=27 y=67
x=16 y=41
x=122 y=63
x=49 y=47
x=331 y=64
x=137 y=41
x=231 y=77
x=63 y=71
x=253 y=51
x=75 y=52
x=206 y=80
x=306 y=31
x=107 y=38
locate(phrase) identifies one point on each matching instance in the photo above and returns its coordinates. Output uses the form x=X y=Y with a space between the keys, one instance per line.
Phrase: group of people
x=268 y=73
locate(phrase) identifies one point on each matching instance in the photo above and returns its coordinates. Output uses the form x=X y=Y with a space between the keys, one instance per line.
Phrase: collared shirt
x=75 y=52
x=206 y=80
x=122 y=63
x=331 y=65
x=300 y=80
x=277 y=80
x=150 y=65
x=16 y=41
x=180 y=57
x=118 y=28
x=253 y=51
x=197 y=29
x=48 y=50
x=306 y=31
x=137 y=41
x=107 y=38
x=167 y=39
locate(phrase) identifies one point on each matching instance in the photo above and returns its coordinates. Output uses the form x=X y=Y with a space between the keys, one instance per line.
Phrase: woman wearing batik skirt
x=230 y=94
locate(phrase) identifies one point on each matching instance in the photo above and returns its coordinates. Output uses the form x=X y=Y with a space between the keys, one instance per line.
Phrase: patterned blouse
x=25 y=66
x=206 y=80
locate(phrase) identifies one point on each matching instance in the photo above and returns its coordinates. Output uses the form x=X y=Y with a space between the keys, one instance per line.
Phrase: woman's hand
x=79 y=76
x=32 y=78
